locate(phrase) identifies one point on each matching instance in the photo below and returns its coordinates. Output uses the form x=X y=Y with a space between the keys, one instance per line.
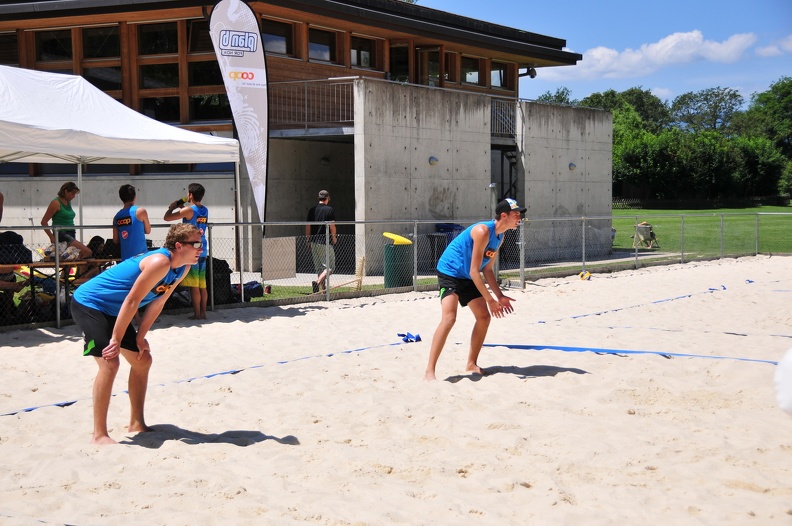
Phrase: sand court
x=318 y=413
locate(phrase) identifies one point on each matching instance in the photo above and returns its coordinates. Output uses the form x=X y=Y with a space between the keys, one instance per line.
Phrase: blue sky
x=669 y=47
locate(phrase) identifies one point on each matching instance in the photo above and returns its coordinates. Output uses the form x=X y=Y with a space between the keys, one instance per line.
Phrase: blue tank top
x=131 y=232
x=456 y=258
x=199 y=220
x=107 y=291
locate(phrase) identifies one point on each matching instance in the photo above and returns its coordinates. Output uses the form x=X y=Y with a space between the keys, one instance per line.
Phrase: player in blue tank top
x=130 y=224
x=197 y=214
x=459 y=274
x=104 y=306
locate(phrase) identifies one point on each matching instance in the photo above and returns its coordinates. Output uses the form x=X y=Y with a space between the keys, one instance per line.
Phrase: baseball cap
x=324 y=194
x=508 y=205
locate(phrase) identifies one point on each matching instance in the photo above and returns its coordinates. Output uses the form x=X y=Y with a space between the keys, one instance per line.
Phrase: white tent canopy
x=56 y=118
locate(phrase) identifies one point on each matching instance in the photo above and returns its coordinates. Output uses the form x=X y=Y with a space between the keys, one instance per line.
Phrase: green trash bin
x=398 y=262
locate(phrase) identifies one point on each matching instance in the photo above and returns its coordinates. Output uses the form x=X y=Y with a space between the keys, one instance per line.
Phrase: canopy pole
x=237 y=228
x=79 y=198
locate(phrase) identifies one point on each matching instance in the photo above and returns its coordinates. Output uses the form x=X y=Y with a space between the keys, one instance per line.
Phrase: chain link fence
x=372 y=258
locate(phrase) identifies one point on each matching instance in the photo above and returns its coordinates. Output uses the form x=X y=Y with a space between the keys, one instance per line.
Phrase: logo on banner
x=244 y=75
x=237 y=43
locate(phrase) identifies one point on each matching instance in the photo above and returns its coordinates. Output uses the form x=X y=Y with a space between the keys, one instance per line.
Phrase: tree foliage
x=700 y=146
x=561 y=96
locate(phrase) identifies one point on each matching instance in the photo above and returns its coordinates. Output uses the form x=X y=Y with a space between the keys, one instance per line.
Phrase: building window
x=158 y=39
x=470 y=70
x=212 y=107
x=9 y=49
x=163 y=109
x=363 y=52
x=104 y=78
x=206 y=73
x=53 y=45
x=158 y=76
x=451 y=67
x=199 y=38
x=500 y=77
x=101 y=42
x=278 y=37
x=321 y=45
x=400 y=63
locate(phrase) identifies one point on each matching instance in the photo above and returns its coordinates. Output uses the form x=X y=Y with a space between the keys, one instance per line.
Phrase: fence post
x=721 y=236
x=415 y=256
x=211 y=269
x=583 y=252
x=327 y=261
x=682 y=241
x=521 y=244
x=635 y=245
x=756 y=237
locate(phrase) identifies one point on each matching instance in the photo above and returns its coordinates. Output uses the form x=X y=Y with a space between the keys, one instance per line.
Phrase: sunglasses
x=194 y=244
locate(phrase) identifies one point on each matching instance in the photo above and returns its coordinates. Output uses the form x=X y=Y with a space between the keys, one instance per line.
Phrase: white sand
x=359 y=438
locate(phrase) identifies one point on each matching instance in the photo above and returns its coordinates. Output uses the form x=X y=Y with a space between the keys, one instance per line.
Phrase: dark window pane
x=165 y=109
x=53 y=45
x=205 y=73
x=470 y=70
x=158 y=39
x=321 y=45
x=157 y=76
x=101 y=42
x=210 y=107
x=277 y=37
x=200 y=41
x=106 y=79
x=9 y=49
x=400 y=63
x=363 y=52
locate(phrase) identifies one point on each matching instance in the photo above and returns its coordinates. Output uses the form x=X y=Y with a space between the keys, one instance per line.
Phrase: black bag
x=219 y=275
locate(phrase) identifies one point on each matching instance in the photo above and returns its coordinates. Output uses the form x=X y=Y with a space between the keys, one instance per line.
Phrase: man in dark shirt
x=323 y=254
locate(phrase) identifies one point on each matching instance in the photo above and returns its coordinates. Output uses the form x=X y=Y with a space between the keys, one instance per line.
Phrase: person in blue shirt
x=459 y=274
x=195 y=213
x=130 y=224
x=104 y=306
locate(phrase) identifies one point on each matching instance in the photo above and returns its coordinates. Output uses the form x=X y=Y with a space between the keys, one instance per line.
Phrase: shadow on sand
x=163 y=432
x=533 y=371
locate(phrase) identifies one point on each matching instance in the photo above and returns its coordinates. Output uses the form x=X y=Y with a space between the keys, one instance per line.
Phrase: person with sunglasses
x=103 y=308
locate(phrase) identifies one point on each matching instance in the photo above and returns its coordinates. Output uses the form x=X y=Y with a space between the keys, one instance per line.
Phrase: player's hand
x=112 y=350
x=143 y=347
x=505 y=302
x=495 y=308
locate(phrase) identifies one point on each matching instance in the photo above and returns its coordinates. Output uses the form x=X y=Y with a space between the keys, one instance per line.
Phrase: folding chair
x=645 y=236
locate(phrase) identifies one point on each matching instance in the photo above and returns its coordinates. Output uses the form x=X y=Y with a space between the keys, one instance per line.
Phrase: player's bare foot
x=103 y=441
x=475 y=369
x=429 y=377
x=139 y=428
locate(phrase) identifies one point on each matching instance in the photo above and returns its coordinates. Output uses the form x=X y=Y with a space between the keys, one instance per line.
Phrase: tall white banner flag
x=240 y=53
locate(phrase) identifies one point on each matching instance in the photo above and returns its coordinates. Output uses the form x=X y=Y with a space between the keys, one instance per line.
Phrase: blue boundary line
x=621 y=352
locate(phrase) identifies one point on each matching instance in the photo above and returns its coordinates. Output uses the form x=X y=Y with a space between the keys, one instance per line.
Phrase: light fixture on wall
x=433 y=160
x=530 y=72
x=572 y=167
x=324 y=161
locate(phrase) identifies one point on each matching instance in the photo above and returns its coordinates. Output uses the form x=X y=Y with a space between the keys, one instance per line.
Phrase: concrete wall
x=566 y=158
x=398 y=128
x=27 y=198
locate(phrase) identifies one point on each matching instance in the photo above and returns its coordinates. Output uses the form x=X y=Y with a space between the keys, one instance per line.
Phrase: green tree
x=771 y=111
x=711 y=109
x=759 y=166
x=607 y=100
x=655 y=113
x=561 y=96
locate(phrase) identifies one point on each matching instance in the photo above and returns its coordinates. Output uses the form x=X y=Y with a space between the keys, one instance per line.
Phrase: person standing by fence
x=130 y=224
x=61 y=213
x=197 y=215
x=323 y=255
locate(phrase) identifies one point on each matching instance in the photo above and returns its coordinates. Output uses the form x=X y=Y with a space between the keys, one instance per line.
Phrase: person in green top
x=61 y=213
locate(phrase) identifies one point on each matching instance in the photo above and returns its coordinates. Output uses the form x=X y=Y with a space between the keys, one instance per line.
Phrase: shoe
x=315 y=287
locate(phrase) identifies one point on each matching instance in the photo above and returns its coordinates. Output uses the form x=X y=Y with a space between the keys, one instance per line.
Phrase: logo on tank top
x=490 y=253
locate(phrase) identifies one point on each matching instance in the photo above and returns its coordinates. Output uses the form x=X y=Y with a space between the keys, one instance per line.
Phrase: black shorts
x=67 y=236
x=98 y=329
x=465 y=289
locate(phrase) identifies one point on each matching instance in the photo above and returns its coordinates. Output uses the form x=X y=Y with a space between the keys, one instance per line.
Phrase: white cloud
x=662 y=93
x=769 y=51
x=786 y=44
x=677 y=48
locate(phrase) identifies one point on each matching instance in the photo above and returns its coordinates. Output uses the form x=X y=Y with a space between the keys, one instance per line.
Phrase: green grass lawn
x=726 y=231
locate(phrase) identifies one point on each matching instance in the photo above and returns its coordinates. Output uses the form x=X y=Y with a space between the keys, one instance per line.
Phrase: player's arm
x=143 y=217
x=177 y=211
x=154 y=309
x=116 y=239
x=51 y=209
